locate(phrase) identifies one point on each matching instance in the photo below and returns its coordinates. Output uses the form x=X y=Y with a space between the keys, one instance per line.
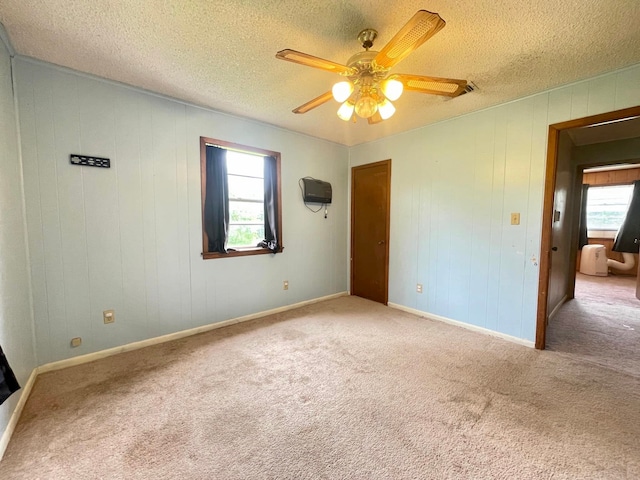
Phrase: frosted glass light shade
x=342 y=90
x=386 y=109
x=392 y=89
x=345 y=112
x=366 y=107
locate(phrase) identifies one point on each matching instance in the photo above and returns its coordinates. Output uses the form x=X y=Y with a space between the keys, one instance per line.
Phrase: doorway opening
x=601 y=322
x=556 y=257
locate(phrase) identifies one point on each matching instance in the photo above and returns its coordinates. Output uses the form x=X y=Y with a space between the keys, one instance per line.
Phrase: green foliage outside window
x=244 y=235
x=607 y=206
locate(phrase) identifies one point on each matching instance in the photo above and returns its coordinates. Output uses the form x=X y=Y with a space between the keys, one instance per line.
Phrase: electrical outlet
x=109 y=316
x=76 y=342
x=515 y=219
x=285 y=285
x=419 y=288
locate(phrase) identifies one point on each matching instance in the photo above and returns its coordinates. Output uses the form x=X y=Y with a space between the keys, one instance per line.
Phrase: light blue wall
x=16 y=325
x=453 y=187
x=129 y=238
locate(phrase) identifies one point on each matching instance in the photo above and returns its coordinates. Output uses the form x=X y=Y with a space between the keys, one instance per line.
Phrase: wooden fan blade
x=375 y=118
x=311 y=61
x=316 y=102
x=450 y=87
x=422 y=26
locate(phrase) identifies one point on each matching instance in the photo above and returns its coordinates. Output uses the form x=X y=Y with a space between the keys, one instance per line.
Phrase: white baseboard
x=15 y=416
x=555 y=310
x=90 y=357
x=475 y=328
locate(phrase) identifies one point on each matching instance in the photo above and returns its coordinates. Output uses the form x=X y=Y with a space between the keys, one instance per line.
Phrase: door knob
x=555 y=249
x=381 y=242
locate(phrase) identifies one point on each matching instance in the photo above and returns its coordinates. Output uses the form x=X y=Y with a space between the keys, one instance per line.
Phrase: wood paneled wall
x=129 y=237
x=16 y=327
x=454 y=186
x=612 y=177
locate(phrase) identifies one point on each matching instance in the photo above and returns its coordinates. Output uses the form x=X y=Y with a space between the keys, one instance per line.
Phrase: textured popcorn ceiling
x=221 y=53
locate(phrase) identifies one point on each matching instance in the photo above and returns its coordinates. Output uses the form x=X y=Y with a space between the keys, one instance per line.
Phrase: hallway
x=601 y=324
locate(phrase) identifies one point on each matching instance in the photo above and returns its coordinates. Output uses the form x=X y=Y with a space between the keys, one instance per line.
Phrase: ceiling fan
x=368 y=89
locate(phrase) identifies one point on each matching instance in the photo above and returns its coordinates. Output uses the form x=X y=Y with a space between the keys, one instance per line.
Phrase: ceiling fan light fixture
x=392 y=89
x=345 y=112
x=386 y=109
x=366 y=107
x=342 y=90
x=366 y=87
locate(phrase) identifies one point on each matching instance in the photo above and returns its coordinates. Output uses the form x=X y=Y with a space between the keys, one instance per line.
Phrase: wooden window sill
x=239 y=253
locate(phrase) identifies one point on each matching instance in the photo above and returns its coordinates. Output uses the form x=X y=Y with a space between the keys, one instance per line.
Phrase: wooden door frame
x=547 y=209
x=387 y=163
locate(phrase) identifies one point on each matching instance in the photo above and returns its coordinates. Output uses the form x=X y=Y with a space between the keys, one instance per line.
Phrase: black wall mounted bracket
x=88 y=161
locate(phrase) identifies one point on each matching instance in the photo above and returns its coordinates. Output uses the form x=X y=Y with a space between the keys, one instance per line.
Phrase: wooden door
x=370 y=208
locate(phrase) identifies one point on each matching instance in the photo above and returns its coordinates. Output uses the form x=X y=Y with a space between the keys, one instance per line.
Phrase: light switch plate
x=109 y=316
x=515 y=219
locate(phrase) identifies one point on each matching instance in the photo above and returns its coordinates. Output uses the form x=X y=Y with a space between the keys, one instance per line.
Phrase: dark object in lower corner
x=8 y=382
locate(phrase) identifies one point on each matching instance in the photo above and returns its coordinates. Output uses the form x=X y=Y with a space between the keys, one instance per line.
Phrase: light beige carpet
x=601 y=324
x=344 y=389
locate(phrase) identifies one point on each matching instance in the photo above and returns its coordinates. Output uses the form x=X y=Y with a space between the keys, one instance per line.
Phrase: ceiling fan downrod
x=366 y=37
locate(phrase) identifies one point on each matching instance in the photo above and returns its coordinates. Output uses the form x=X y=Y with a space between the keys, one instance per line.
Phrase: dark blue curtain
x=8 y=382
x=216 y=201
x=628 y=237
x=271 y=234
x=584 y=240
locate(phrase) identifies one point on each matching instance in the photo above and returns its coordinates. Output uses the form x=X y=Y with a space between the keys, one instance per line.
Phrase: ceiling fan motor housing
x=363 y=62
x=366 y=75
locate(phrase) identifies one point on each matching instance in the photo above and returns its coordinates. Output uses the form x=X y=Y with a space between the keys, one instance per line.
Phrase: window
x=607 y=206
x=245 y=174
x=241 y=212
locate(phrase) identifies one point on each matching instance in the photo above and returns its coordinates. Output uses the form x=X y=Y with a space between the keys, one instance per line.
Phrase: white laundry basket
x=593 y=260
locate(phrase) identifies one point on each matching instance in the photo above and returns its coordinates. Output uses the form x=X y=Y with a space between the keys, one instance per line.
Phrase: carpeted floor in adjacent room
x=601 y=324
x=343 y=389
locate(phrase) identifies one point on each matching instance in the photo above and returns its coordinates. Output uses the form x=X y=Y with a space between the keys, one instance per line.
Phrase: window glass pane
x=246 y=182
x=246 y=188
x=245 y=164
x=246 y=212
x=245 y=235
x=607 y=206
